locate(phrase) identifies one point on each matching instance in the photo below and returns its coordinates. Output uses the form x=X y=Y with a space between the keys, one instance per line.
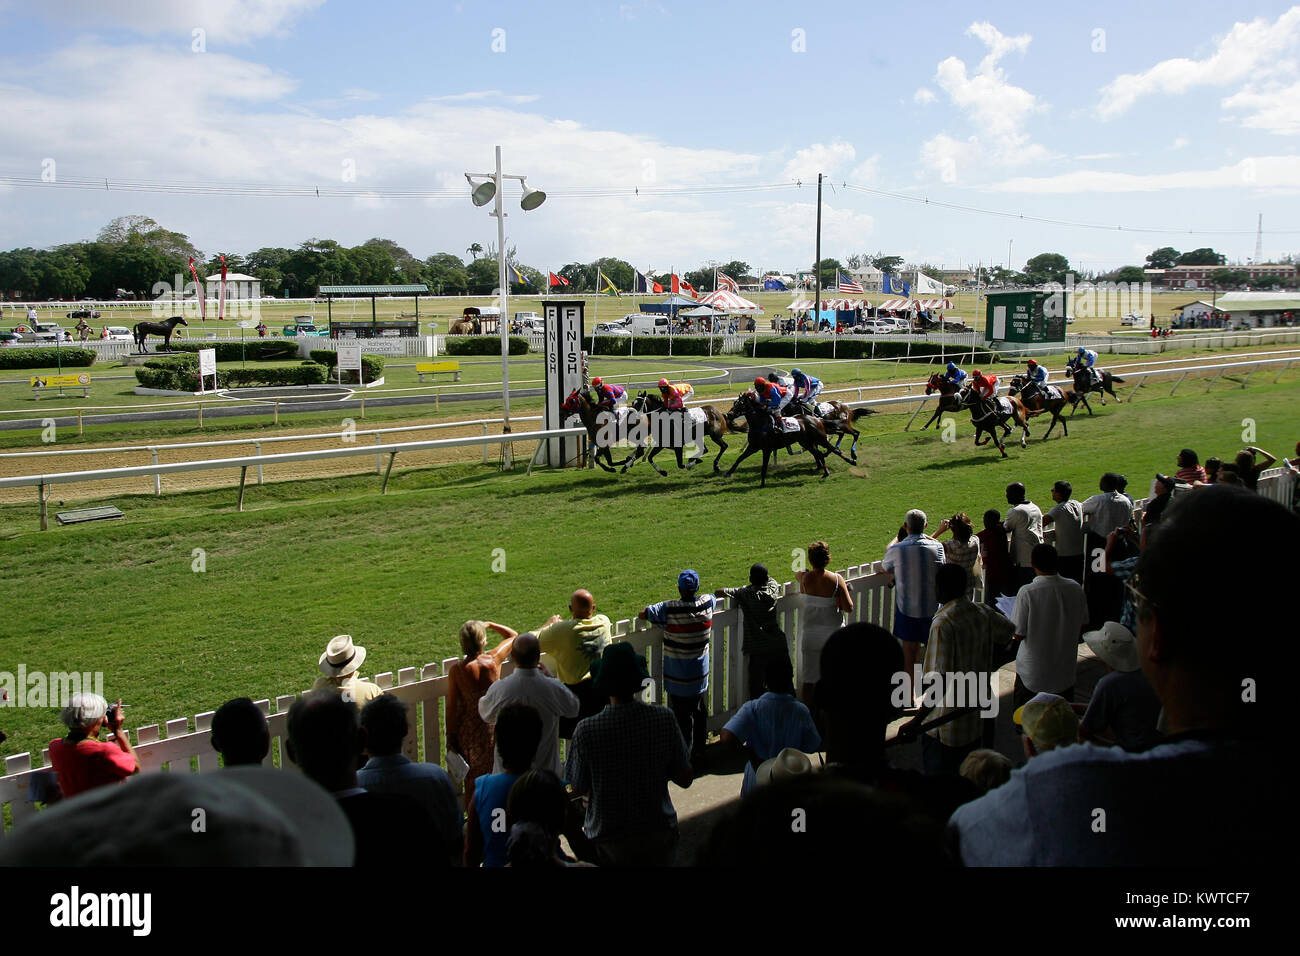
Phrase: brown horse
x=1046 y=398
x=988 y=416
x=591 y=415
x=839 y=420
x=767 y=439
x=461 y=327
x=1083 y=384
x=715 y=426
x=950 y=399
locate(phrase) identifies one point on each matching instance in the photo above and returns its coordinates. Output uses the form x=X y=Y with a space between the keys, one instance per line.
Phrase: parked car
x=874 y=327
x=83 y=314
x=611 y=328
x=45 y=332
x=303 y=325
x=11 y=338
x=118 y=333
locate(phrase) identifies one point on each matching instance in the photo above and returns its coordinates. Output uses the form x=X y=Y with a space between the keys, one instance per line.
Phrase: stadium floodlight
x=532 y=198
x=483 y=193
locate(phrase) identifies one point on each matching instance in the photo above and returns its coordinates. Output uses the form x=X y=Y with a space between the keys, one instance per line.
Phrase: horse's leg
x=677 y=452
x=767 y=455
x=853 y=448
x=750 y=448
x=651 y=459
x=722 y=447
x=703 y=449
x=938 y=412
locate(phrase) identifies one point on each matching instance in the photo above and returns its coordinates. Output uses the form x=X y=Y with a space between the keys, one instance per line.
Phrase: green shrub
x=371 y=365
x=483 y=345
x=653 y=345
x=861 y=348
x=257 y=350
x=183 y=376
x=43 y=357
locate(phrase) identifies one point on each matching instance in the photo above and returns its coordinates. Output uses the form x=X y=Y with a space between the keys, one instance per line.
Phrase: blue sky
x=1174 y=116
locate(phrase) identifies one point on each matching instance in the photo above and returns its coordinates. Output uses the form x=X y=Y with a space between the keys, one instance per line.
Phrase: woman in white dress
x=824 y=600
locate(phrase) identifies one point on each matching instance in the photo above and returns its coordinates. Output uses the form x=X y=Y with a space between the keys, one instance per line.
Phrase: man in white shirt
x=529 y=685
x=1049 y=615
x=1104 y=513
x=1067 y=516
x=1025 y=522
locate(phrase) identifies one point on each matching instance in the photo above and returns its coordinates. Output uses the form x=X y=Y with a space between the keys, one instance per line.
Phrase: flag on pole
x=724 y=281
x=642 y=283
x=515 y=276
x=681 y=286
x=846 y=284
x=557 y=280
x=608 y=287
x=202 y=291
x=221 y=299
x=925 y=285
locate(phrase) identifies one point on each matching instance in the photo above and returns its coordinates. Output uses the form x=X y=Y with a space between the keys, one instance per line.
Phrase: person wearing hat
x=763 y=638
x=687 y=624
x=338 y=667
x=606 y=395
x=806 y=390
x=82 y=761
x=789 y=764
x=1161 y=494
x=1037 y=380
x=773 y=726
x=622 y=760
x=1124 y=710
x=1048 y=722
x=674 y=395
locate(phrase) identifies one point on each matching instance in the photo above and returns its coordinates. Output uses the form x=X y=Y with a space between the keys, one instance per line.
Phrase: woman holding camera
x=82 y=761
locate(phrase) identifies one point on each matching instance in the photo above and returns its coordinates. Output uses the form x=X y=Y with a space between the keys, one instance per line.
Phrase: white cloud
x=946 y=156
x=1275 y=109
x=794 y=225
x=480 y=95
x=924 y=95
x=1255 y=172
x=356 y=93
x=1181 y=141
x=990 y=102
x=229 y=21
x=818 y=158
x=866 y=171
x=1249 y=50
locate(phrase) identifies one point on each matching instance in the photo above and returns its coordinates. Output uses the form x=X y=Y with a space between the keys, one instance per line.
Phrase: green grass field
x=308 y=560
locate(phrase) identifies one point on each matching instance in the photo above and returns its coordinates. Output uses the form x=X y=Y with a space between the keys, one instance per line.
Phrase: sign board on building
x=1025 y=317
x=565 y=371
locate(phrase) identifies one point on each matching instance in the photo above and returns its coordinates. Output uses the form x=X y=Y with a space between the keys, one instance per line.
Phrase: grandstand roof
x=373 y=289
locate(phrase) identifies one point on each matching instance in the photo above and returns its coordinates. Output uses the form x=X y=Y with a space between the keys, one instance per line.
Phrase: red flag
x=658 y=287
x=688 y=288
x=558 y=280
x=203 y=296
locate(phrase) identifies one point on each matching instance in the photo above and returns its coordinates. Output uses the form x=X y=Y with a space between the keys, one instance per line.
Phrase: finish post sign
x=565 y=371
x=207 y=366
x=349 y=357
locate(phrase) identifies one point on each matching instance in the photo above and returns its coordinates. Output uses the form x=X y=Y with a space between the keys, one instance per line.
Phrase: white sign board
x=386 y=346
x=207 y=361
x=349 y=357
x=564 y=373
x=999 y=322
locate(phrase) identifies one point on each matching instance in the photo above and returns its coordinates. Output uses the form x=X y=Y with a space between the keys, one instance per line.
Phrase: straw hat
x=341 y=657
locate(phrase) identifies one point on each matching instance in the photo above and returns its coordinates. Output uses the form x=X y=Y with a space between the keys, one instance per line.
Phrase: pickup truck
x=44 y=332
x=303 y=325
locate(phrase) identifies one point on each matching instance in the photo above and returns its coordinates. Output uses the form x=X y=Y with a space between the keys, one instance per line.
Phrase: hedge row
x=371 y=365
x=255 y=349
x=483 y=345
x=856 y=348
x=652 y=345
x=184 y=377
x=45 y=358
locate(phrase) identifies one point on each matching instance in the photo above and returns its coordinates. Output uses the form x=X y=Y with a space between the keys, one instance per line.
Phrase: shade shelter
x=373 y=291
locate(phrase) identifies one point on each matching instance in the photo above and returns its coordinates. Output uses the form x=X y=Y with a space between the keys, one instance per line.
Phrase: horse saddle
x=1003 y=405
x=825 y=409
x=696 y=415
x=1051 y=393
x=789 y=424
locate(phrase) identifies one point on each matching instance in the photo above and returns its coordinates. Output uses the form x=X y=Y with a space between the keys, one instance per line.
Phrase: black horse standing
x=142 y=330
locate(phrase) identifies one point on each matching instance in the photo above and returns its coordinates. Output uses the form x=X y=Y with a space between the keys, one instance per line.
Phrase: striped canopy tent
x=838 y=305
x=897 y=305
x=934 y=305
x=724 y=300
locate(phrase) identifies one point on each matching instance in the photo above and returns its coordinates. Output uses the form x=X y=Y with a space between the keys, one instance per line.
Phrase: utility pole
x=817 y=303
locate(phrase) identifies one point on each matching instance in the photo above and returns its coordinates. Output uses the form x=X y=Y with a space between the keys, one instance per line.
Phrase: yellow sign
x=61 y=381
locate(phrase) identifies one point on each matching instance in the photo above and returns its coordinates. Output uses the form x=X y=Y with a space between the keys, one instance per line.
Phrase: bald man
x=574 y=644
x=531 y=685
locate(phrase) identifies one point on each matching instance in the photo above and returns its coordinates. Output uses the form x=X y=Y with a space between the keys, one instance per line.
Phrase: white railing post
x=157 y=478
x=257 y=449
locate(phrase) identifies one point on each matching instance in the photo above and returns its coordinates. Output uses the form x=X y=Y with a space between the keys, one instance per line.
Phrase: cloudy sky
x=666 y=133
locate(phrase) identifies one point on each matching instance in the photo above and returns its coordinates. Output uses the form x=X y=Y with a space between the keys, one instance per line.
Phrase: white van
x=644 y=323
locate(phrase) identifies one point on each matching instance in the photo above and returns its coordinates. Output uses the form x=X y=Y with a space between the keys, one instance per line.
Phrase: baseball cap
x=1049 y=720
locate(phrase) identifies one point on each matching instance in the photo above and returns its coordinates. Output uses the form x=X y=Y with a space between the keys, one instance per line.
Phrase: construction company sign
x=565 y=371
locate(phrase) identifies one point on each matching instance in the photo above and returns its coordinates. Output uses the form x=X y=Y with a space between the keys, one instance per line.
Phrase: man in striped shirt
x=911 y=565
x=687 y=624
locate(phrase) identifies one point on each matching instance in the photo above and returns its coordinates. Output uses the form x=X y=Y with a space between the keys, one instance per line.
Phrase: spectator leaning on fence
x=239 y=733
x=1067 y=517
x=339 y=665
x=468 y=680
x=529 y=684
x=385 y=723
x=84 y=762
x=622 y=760
x=911 y=566
x=763 y=640
x=687 y=624
x=1189 y=468
x=1225 y=727
x=574 y=644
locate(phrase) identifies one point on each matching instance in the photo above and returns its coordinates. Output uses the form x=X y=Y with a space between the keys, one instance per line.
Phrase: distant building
x=1199 y=277
x=238 y=286
x=1195 y=310
x=957 y=277
x=867 y=276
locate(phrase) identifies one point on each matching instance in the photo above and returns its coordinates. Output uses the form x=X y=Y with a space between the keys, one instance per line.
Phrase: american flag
x=845 y=284
x=724 y=281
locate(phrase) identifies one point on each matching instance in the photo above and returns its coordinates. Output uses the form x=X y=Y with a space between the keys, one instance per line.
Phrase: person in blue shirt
x=1037 y=376
x=775 y=721
x=954 y=374
x=806 y=388
x=771 y=396
x=1086 y=358
x=606 y=395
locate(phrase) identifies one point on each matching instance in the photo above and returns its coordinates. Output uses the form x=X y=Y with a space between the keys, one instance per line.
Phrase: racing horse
x=715 y=425
x=143 y=330
x=950 y=398
x=989 y=416
x=578 y=404
x=1044 y=400
x=838 y=420
x=1083 y=384
x=811 y=434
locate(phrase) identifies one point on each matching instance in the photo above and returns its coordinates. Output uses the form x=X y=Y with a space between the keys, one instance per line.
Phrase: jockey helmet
x=663 y=383
x=1082 y=350
x=796 y=374
x=761 y=384
x=1033 y=363
x=977 y=374
x=597 y=382
x=952 y=366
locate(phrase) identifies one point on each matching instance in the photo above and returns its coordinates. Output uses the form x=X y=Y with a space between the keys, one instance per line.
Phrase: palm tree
x=474 y=250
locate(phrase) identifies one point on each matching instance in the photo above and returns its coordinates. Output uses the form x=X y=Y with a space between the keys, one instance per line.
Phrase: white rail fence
x=184 y=744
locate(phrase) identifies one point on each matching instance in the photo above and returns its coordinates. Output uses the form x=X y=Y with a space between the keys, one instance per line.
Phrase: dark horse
x=714 y=424
x=1044 y=399
x=950 y=399
x=839 y=420
x=989 y=416
x=1083 y=384
x=578 y=404
x=165 y=328
x=765 y=438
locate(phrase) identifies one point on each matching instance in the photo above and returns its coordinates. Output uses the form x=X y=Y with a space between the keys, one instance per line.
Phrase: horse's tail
x=1116 y=378
x=861 y=413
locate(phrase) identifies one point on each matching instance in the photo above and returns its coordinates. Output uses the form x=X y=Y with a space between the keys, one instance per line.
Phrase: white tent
x=724 y=301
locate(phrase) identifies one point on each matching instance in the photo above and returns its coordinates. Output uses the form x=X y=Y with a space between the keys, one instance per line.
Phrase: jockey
x=806 y=388
x=606 y=396
x=772 y=397
x=1037 y=379
x=984 y=386
x=673 y=395
x=1086 y=358
x=954 y=374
